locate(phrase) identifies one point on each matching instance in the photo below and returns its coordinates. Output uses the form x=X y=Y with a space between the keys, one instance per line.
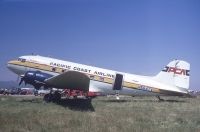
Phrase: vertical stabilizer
x=176 y=73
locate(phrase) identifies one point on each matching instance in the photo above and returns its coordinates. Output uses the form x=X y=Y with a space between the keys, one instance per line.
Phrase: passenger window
x=53 y=69
x=63 y=70
x=92 y=77
x=23 y=60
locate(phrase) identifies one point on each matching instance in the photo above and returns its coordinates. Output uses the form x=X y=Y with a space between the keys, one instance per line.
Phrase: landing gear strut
x=117 y=95
x=160 y=98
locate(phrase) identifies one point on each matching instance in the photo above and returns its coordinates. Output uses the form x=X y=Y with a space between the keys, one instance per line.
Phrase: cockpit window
x=22 y=60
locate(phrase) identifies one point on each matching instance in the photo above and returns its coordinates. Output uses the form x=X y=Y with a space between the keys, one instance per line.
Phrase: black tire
x=56 y=97
x=47 y=98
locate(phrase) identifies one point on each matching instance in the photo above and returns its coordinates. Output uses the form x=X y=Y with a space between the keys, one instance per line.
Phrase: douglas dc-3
x=47 y=72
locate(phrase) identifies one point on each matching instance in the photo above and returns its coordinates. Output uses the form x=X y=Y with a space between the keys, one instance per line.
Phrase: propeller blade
x=18 y=78
x=37 y=87
x=21 y=81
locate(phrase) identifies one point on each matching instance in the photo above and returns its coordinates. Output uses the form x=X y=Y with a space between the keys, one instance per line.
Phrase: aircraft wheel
x=47 y=98
x=56 y=96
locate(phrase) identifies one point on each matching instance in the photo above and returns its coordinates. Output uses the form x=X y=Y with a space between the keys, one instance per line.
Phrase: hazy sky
x=136 y=36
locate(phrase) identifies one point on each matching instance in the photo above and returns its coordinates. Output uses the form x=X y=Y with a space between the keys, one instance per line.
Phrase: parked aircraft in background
x=48 y=72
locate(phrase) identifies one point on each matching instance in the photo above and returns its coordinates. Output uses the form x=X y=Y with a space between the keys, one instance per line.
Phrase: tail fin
x=176 y=73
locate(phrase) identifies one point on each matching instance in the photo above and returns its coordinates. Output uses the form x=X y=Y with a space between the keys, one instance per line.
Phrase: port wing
x=70 y=80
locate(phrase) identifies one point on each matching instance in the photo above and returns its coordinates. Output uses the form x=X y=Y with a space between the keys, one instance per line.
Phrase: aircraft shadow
x=73 y=104
x=169 y=100
x=31 y=100
x=142 y=100
x=115 y=101
x=174 y=101
x=77 y=104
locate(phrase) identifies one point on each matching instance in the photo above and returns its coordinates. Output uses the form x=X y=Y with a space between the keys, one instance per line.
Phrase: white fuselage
x=101 y=80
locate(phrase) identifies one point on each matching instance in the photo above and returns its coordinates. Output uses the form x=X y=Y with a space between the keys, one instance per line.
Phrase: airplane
x=47 y=72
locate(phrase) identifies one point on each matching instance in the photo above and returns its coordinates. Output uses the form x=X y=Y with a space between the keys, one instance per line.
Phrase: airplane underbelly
x=106 y=88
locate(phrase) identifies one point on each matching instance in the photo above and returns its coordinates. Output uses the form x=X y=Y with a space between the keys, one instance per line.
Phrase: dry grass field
x=102 y=114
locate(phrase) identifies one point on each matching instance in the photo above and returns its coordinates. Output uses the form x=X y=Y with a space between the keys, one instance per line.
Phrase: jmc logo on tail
x=176 y=71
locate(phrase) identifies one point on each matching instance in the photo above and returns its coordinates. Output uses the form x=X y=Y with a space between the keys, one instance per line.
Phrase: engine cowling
x=35 y=78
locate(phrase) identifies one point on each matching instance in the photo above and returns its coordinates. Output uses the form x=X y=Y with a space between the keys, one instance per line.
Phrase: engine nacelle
x=35 y=78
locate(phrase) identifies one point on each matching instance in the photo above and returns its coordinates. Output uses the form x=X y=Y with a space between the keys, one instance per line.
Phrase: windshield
x=21 y=59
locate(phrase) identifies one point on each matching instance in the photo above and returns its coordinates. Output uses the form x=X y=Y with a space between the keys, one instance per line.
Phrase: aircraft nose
x=14 y=66
x=10 y=65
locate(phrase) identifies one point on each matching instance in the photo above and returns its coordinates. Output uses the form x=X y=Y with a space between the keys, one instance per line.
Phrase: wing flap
x=70 y=80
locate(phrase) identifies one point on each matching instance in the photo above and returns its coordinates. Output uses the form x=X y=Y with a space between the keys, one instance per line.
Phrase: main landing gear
x=55 y=96
x=52 y=97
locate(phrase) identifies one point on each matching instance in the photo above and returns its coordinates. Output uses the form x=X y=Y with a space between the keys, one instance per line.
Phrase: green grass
x=146 y=114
